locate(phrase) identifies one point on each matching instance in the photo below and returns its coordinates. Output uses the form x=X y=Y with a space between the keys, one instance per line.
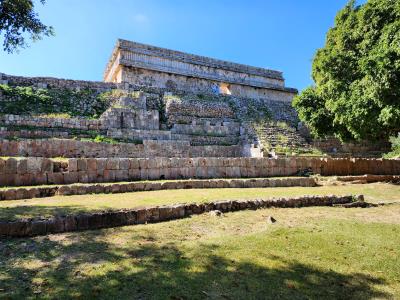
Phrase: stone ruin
x=161 y=119
x=159 y=103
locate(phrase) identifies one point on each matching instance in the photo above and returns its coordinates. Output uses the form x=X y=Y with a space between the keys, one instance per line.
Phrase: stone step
x=21 y=193
x=275 y=135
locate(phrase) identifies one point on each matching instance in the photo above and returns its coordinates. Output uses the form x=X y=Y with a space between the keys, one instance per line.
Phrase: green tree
x=18 y=19
x=357 y=75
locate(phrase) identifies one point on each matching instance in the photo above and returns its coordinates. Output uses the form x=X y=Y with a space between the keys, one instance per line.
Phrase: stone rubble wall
x=106 y=219
x=199 y=109
x=12 y=133
x=51 y=82
x=221 y=129
x=34 y=171
x=139 y=134
x=70 y=148
x=141 y=119
x=368 y=178
x=207 y=140
x=36 y=121
x=357 y=149
x=81 y=189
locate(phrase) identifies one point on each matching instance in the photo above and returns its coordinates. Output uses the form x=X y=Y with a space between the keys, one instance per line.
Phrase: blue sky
x=278 y=34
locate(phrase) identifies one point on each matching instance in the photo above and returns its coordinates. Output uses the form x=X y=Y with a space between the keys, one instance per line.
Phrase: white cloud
x=140 y=19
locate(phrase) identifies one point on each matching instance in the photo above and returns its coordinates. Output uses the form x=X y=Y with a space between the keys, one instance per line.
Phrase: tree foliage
x=17 y=20
x=357 y=75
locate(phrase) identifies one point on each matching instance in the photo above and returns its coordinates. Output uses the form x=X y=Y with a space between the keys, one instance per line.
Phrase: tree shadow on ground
x=150 y=270
x=12 y=213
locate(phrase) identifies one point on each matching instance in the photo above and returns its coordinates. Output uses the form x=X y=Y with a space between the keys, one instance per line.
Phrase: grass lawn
x=310 y=253
x=46 y=207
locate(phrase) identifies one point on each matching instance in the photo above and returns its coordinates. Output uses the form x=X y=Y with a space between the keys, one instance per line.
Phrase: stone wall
x=140 y=119
x=75 y=148
x=51 y=82
x=172 y=82
x=203 y=109
x=33 y=171
x=355 y=149
x=21 y=193
x=37 y=121
x=106 y=219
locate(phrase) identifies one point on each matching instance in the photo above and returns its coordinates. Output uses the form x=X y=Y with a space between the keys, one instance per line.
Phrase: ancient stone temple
x=147 y=65
x=156 y=102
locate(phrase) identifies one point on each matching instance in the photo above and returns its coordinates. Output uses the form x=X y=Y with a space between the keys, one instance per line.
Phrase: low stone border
x=74 y=189
x=58 y=224
x=369 y=178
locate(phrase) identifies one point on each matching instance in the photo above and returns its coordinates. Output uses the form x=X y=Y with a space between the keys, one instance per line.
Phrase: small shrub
x=395 y=153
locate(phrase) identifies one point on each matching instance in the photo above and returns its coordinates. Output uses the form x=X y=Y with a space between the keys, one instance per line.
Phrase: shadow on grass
x=13 y=213
x=143 y=268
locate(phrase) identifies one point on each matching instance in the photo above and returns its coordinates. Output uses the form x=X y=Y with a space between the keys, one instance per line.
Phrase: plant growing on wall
x=29 y=100
x=357 y=75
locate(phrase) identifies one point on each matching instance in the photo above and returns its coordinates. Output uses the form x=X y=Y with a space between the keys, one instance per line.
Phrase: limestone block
x=71 y=177
x=82 y=165
x=55 y=178
x=22 y=167
x=153 y=163
x=134 y=174
x=211 y=172
x=10 y=194
x=144 y=174
x=70 y=223
x=92 y=164
x=153 y=174
x=2 y=165
x=39 y=178
x=133 y=163
x=55 y=225
x=201 y=172
x=101 y=164
x=175 y=162
x=109 y=175
x=72 y=165
x=64 y=190
x=46 y=165
x=38 y=227
x=92 y=176
x=141 y=215
x=153 y=214
x=11 y=166
x=143 y=163
x=112 y=164
x=33 y=193
x=83 y=177
x=121 y=175
x=124 y=164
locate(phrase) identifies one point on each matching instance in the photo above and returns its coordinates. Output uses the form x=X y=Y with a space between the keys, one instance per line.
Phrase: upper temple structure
x=147 y=65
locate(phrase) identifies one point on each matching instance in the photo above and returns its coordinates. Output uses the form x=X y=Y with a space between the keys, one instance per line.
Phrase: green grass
x=310 y=253
x=10 y=210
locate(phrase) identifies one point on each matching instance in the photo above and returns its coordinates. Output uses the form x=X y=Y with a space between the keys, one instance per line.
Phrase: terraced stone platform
x=34 y=227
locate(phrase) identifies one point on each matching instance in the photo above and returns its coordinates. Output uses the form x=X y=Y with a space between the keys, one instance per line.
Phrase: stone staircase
x=280 y=136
